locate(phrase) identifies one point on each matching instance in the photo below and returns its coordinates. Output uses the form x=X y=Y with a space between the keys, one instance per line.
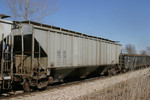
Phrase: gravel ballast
x=81 y=89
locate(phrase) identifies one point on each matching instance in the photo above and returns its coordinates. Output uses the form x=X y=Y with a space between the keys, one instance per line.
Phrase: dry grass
x=133 y=89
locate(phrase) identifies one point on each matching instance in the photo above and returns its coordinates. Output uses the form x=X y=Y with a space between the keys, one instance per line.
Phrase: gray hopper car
x=37 y=54
x=132 y=62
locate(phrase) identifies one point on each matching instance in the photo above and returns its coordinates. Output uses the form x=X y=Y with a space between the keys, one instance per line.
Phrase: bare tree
x=143 y=52
x=30 y=9
x=148 y=50
x=130 y=49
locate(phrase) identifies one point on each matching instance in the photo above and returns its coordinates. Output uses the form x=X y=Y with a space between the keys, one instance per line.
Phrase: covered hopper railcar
x=41 y=54
x=132 y=62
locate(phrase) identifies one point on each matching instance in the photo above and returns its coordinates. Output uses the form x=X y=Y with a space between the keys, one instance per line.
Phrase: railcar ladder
x=6 y=62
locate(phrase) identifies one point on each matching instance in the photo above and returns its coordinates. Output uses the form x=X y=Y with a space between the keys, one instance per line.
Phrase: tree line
x=130 y=49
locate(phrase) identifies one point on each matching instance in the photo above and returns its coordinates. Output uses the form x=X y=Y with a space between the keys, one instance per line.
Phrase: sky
x=127 y=21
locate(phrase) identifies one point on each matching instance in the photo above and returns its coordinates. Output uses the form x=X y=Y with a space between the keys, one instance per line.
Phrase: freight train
x=35 y=55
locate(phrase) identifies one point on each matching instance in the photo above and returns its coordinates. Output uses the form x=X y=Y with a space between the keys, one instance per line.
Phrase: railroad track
x=20 y=93
x=17 y=93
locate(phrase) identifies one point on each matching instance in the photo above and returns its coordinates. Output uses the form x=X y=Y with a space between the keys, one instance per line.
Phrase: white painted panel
x=111 y=60
x=114 y=54
x=26 y=29
x=85 y=51
x=118 y=52
x=64 y=50
x=111 y=51
x=97 y=53
x=110 y=56
x=88 y=44
x=41 y=37
x=102 y=53
x=75 y=51
x=69 y=50
x=90 y=52
x=80 y=51
x=105 y=53
x=51 y=49
x=4 y=29
x=94 y=52
x=58 y=50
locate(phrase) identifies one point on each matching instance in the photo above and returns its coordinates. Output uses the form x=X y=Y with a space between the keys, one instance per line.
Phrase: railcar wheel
x=42 y=84
x=50 y=80
x=39 y=86
x=26 y=86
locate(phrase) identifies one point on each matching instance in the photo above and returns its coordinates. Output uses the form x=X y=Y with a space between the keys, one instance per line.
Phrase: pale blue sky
x=127 y=21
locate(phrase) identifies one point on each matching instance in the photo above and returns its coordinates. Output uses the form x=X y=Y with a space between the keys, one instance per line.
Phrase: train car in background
x=134 y=61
